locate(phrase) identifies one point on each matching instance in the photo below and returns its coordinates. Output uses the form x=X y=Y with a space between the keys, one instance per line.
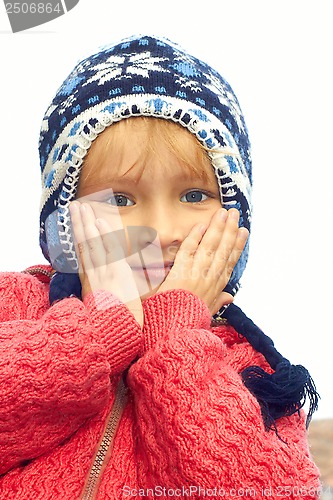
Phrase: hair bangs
x=147 y=137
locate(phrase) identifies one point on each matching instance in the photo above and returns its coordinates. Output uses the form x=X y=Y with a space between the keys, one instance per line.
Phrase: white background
x=277 y=55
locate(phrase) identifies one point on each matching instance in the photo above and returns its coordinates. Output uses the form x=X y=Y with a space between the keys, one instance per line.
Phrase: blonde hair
x=156 y=132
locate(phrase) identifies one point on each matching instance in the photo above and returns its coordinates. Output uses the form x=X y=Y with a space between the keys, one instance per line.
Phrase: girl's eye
x=120 y=200
x=194 y=197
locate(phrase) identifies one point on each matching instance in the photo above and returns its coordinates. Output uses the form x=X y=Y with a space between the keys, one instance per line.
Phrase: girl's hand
x=206 y=259
x=101 y=258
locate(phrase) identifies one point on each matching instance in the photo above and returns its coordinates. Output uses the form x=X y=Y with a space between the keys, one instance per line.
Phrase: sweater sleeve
x=56 y=363
x=200 y=430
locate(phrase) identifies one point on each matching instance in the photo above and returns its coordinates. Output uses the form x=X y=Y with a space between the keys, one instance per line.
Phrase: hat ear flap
x=64 y=285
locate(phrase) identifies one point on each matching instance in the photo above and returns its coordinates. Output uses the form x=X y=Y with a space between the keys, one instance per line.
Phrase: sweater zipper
x=103 y=453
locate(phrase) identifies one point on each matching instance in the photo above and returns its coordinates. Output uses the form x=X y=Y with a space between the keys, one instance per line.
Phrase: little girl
x=126 y=370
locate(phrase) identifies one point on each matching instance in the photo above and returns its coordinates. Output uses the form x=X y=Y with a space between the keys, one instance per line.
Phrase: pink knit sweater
x=189 y=427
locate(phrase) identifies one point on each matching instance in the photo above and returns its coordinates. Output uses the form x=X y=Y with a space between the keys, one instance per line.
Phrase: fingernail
x=234 y=214
x=223 y=214
x=243 y=233
x=74 y=206
x=83 y=208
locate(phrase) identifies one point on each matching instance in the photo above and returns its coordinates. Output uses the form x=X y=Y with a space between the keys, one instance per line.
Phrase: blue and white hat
x=140 y=76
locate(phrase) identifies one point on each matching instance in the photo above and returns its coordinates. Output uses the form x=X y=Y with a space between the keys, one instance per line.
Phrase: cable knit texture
x=190 y=428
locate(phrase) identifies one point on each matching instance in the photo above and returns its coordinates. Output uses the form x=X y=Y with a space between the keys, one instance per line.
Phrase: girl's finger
x=216 y=245
x=74 y=209
x=239 y=246
x=79 y=237
x=212 y=236
x=222 y=300
x=225 y=260
x=114 y=241
x=93 y=244
x=211 y=240
x=189 y=246
x=228 y=239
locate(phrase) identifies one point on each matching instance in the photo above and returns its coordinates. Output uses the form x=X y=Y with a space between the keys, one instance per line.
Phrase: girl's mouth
x=153 y=273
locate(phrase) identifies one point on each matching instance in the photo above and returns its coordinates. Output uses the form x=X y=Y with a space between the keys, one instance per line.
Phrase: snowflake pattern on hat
x=140 y=76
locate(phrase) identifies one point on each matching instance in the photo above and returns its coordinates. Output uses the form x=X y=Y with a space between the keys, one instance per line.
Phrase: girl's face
x=135 y=180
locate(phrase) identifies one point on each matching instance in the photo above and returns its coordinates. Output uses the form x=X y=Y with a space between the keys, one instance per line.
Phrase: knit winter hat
x=140 y=76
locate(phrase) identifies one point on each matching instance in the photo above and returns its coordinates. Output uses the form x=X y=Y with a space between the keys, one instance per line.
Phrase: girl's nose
x=161 y=229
